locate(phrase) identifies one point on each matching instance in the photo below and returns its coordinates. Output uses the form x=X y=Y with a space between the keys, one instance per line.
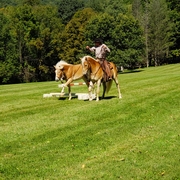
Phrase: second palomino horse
x=69 y=73
x=94 y=72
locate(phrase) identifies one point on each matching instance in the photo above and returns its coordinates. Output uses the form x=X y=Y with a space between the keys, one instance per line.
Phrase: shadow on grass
x=66 y=96
x=75 y=97
x=108 y=97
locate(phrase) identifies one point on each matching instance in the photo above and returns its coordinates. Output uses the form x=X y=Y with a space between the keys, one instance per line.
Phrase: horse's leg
x=104 y=89
x=69 y=91
x=98 y=89
x=94 y=89
x=90 y=90
x=62 y=91
x=69 y=87
x=118 y=87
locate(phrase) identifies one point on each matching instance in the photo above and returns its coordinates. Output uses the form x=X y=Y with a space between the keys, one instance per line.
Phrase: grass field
x=135 y=138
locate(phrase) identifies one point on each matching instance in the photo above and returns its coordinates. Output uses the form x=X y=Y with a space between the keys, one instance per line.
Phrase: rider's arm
x=106 y=48
x=92 y=49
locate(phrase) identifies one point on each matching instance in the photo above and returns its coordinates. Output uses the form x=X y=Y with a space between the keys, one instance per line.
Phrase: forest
x=36 y=34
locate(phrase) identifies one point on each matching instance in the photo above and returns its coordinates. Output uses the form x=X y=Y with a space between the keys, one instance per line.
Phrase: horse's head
x=59 y=75
x=85 y=64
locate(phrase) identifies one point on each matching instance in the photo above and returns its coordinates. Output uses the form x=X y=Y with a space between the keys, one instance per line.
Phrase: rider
x=101 y=51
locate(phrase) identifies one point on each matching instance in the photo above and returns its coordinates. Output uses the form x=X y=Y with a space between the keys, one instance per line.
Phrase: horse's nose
x=56 y=79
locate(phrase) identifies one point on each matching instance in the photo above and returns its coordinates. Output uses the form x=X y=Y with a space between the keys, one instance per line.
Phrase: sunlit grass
x=136 y=137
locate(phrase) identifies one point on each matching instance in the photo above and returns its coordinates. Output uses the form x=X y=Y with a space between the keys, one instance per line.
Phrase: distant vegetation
x=35 y=34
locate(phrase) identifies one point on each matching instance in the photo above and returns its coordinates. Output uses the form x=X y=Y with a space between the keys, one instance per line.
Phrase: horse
x=69 y=73
x=93 y=70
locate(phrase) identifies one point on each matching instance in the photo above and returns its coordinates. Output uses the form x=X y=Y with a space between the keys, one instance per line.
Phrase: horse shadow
x=105 y=98
x=108 y=97
x=75 y=97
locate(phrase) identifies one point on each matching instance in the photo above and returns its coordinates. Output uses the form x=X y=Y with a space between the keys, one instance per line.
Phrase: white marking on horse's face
x=85 y=65
x=58 y=74
x=56 y=78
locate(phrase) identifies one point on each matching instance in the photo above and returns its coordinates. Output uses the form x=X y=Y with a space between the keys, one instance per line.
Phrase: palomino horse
x=93 y=70
x=69 y=73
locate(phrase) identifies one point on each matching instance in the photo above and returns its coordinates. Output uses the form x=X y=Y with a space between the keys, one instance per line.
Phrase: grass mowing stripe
x=133 y=138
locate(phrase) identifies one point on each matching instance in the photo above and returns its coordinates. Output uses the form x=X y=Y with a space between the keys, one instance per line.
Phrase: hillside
x=136 y=137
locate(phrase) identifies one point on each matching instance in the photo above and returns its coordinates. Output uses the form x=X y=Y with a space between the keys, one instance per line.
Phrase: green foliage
x=127 y=40
x=9 y=67
x=100 y=25
x=73 y=36
x=35 y=34
x=122 y=34
x=9 y=71
x=31 y=2
x=67 y=8
x=116 y=7
x=45 y=47
x=97 y=5
x=4 y=3
x=174 y=5
x=154 y=17
x=159 y=31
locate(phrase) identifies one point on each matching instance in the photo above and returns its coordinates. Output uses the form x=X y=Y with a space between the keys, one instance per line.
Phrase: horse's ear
x=54 y=66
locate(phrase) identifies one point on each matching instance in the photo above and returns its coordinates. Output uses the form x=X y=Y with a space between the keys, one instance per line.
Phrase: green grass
x=137 y=137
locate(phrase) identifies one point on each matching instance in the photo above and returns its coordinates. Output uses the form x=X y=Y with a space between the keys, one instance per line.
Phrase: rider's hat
x=98 y=40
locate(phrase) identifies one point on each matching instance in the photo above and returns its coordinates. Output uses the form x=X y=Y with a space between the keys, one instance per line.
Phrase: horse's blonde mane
x=61 y=63
x=89 y=57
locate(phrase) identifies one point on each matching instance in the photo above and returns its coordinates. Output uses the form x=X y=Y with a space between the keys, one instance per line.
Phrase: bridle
x=63 y=76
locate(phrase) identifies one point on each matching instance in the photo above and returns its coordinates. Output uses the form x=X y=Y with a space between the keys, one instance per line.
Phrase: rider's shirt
x=100 y=51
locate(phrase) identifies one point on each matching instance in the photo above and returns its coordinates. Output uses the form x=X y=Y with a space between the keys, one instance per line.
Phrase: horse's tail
x=108 y=85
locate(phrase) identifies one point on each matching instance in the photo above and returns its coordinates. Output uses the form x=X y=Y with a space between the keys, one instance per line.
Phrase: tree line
x=36 y=34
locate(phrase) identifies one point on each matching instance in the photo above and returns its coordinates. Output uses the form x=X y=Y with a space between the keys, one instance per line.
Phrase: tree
x=31 y=2
x=67 y=8
x=36 y=40
x=23 y=26
x=122 y=34
x=153 y=16
x=160 y=31
x=9 y=66
x=140 y=10
x=96 y=5
x=116 y=7
x=73 y=36
x=46 y=45
x=174 y=5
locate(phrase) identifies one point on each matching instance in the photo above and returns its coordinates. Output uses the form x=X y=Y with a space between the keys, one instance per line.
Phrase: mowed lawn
x=136 y=137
